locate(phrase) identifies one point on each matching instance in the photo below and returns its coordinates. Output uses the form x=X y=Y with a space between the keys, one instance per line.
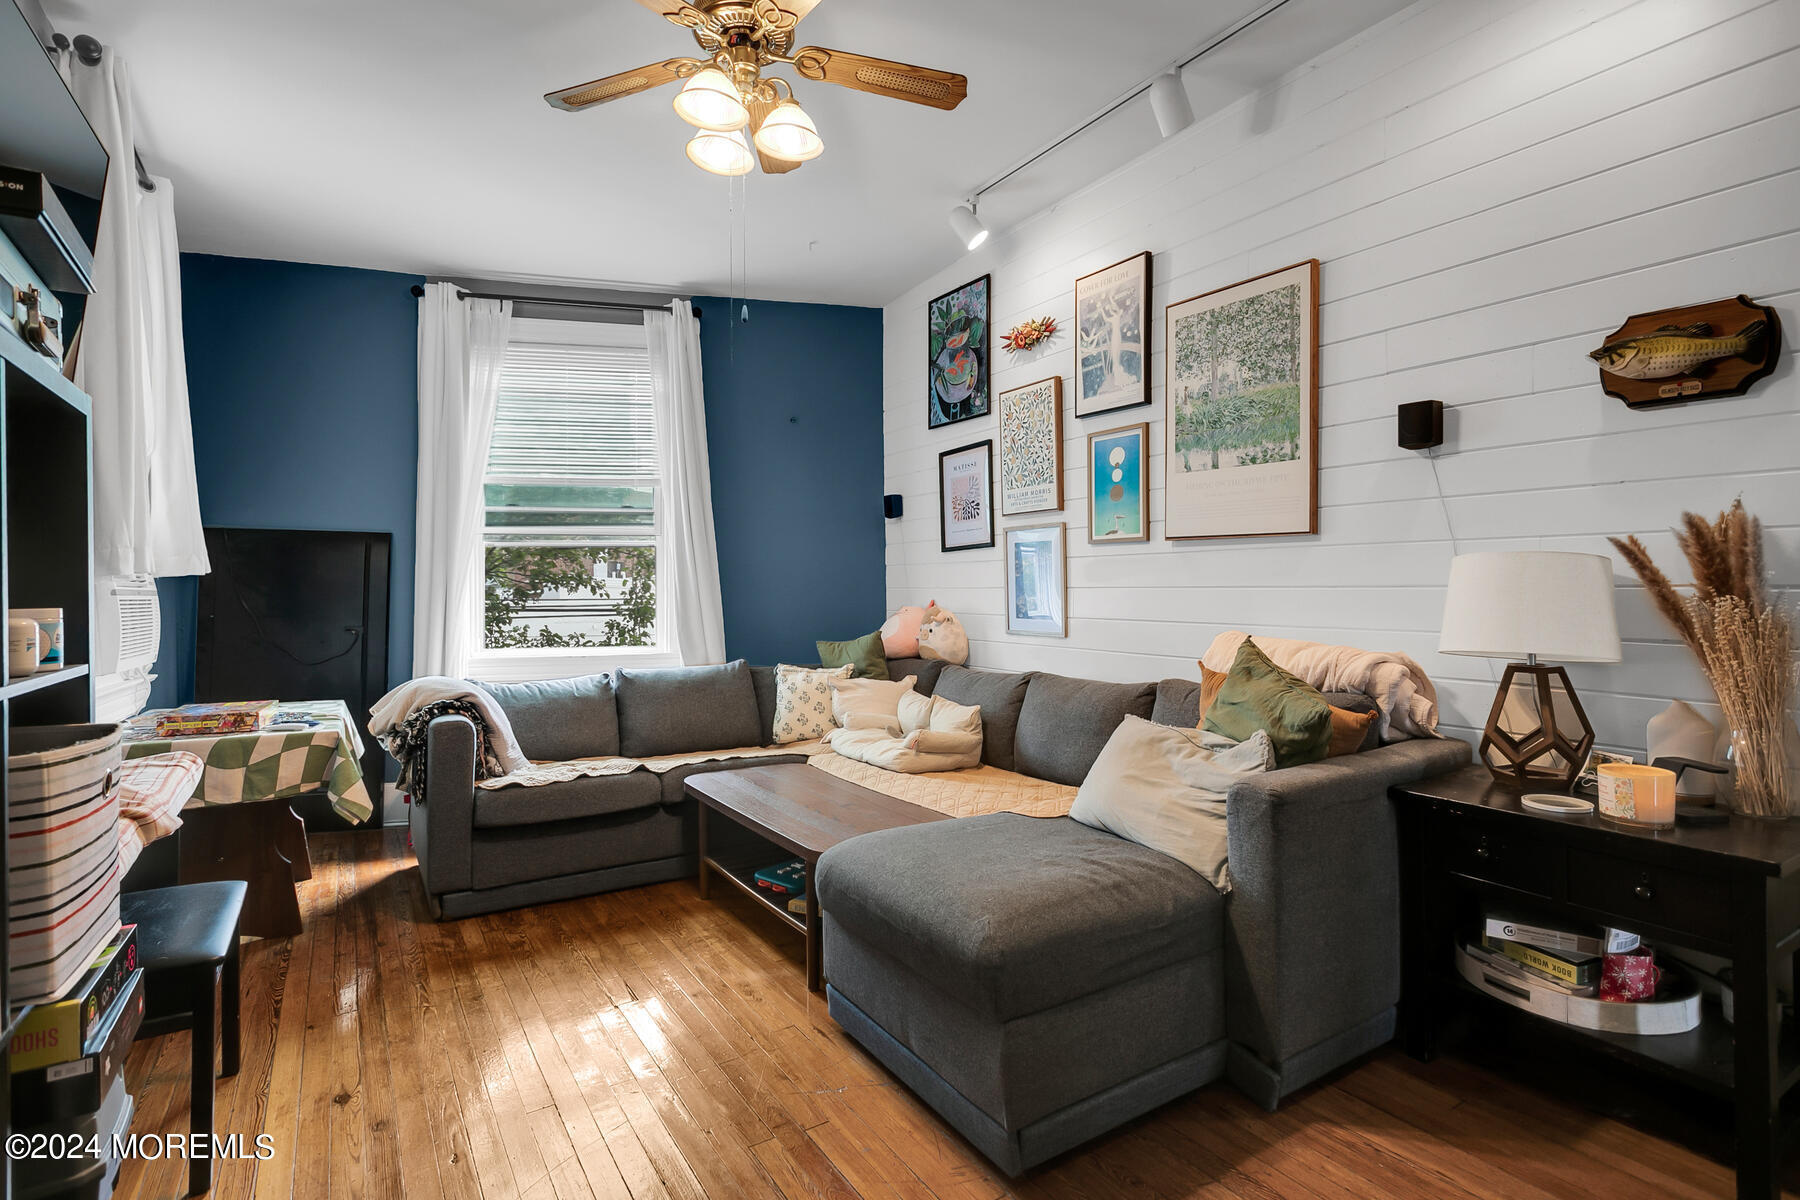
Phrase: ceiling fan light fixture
x=722 y=152
x=788 y=133
x=708 y=100
x=967 y=226
x=1169 y=101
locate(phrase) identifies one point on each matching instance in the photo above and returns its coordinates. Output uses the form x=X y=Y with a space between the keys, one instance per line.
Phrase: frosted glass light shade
x=708 y=100
x=789 y=134
x=721 y=153
x=1514 y=603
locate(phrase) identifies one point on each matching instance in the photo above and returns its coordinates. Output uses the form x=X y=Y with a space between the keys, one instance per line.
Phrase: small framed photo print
x=1031 y=448
x=1037 y=581
x=965 y=496
x=1118 y=501
x=1112 y=337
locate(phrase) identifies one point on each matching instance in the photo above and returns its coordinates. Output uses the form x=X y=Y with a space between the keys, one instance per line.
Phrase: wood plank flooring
x=648 y=1044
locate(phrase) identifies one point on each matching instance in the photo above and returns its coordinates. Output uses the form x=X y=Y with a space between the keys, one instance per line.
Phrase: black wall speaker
x=1422 y=424
x=893 y=506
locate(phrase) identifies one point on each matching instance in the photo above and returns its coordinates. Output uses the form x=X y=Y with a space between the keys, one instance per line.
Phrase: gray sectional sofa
x=1037 y=982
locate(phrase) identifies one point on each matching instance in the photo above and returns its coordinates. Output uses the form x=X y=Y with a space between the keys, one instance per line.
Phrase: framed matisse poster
x=1242 y=434
x=1037 y=581
x=1118 y=501
x=965 y=489
x=1031 y=448
x=958 y=373
x=1112 y=337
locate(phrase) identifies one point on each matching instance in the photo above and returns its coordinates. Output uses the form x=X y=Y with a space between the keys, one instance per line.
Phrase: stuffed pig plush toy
x=900 y=632
x=942 y=636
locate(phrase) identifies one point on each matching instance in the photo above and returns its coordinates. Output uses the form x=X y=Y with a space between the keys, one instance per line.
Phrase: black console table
x=1730 y=890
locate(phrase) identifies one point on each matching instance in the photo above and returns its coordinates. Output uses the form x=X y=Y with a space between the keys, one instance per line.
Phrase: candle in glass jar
x=1637 y=795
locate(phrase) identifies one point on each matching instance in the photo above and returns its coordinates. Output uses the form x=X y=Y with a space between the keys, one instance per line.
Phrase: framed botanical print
x=958 y=374
x=1118 y=500
x=1241 y=440
x=1112 y=337
x=1031 y=448
x=965 y=496
x=1037 y=581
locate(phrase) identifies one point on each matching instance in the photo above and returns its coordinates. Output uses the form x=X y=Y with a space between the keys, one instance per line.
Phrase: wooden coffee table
x=803 y=810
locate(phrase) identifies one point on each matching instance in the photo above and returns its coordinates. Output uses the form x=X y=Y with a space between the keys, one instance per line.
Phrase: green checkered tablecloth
x=272 y=764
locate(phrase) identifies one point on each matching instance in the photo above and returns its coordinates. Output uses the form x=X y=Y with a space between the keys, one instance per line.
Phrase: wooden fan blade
x=798 y=7
x=674 y=10
x=897 y=81
x=759 y=112
x=625 y=83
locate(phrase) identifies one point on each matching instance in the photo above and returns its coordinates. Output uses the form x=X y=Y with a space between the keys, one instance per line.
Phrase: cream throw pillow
x=803 y=702
x=1165 y=788
x=869 y=703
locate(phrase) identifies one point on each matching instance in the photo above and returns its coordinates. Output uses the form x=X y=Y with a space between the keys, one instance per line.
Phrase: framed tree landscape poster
x=958 y=372
x=1118 y=501
x=1031 y=448
x=1242 y=434
x=965 y=508
x=1112 y=337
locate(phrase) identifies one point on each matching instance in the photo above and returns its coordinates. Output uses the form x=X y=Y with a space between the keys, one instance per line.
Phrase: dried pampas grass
x=1744 y=641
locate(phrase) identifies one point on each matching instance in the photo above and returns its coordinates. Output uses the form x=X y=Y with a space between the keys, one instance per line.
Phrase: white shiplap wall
x=1491 y=186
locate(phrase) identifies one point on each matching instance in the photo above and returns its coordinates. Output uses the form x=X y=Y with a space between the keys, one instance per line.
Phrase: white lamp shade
x=789 y=134
x=967 y=226
x=1514 y=603
x=708 y=100
x=721 y=153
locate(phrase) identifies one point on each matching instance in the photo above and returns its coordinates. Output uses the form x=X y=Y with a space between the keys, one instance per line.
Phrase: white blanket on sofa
x=1397 y=684
x=414 y=694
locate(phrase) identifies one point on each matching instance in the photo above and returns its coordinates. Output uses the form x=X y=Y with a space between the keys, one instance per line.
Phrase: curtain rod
x=418 y=291
x=89 y=50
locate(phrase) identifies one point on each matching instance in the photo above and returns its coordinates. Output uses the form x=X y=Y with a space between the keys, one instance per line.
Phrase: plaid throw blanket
x=406 y=742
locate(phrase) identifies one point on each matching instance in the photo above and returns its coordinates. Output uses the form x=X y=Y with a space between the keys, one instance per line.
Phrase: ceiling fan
x=726 y=90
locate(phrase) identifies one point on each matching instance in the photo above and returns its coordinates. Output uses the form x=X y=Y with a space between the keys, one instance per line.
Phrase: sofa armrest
x=443 y=818
x=1312 y=930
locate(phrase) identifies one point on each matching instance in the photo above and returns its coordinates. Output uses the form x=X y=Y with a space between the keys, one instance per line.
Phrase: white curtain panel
x=130 y=358
x=692 y=610
x=462 y=345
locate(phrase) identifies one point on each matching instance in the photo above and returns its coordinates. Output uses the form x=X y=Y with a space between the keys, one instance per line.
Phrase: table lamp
x=1523 y=605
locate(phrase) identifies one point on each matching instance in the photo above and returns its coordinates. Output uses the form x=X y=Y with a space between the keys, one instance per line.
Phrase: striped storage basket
x=63 y=855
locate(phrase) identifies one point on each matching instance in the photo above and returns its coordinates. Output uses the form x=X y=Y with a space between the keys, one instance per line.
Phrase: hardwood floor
x=648 y=1044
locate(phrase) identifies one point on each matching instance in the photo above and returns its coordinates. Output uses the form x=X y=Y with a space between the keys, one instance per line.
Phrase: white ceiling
x=410 y=135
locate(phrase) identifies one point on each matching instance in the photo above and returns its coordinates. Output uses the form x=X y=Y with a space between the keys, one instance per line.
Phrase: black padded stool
x=187 y=940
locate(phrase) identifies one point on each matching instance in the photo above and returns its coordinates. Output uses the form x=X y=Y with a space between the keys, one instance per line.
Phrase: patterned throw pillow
x=803 y=702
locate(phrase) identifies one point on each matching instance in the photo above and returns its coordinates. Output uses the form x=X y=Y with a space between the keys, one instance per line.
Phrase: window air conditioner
x=127 y=632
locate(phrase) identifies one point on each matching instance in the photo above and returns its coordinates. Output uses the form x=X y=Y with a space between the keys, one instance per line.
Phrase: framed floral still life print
x=1037 y=581
x=965 y=497
x=1118 y=501
x=1031 y=448
x=958 y=372
x=1241 y=440
x=1112 y=337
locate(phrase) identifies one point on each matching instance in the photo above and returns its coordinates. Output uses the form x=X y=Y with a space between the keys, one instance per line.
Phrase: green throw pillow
x=1260 y=695
x=864 y=654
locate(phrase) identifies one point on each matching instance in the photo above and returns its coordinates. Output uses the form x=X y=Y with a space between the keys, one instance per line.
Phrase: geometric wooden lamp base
x=1522 y=755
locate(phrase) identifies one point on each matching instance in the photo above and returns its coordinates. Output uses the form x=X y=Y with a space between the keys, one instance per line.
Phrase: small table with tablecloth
x=239 y=825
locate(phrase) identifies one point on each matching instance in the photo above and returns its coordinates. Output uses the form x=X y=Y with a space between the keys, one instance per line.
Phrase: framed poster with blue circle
x=1118 y=501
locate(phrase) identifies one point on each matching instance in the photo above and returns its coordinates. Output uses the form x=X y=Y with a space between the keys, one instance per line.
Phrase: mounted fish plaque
x=1692 y=353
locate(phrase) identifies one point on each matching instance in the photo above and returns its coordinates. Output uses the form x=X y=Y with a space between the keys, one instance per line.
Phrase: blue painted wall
x=793 y=424
x=303 y=386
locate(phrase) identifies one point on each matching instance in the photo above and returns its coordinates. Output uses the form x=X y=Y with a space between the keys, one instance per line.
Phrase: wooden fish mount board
x=1722 y=377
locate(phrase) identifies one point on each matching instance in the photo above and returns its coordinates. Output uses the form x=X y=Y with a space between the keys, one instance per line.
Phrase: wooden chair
x=187 y=940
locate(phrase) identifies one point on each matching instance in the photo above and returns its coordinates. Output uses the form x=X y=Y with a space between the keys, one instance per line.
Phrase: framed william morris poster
x=1241 y=440
x=1031 y=448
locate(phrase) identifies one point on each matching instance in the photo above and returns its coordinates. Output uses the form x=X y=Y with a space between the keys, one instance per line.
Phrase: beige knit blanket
x=539 y=774
x=969 y=792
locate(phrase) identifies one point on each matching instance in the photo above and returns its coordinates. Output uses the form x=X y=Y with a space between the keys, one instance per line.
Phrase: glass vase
x=1763 y=765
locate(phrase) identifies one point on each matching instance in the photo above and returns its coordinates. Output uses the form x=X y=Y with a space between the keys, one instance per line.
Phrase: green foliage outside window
x=518 y=576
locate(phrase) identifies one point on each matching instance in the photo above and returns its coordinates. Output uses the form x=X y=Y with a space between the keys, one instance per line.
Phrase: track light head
x=1169 y=101
x=967 y=226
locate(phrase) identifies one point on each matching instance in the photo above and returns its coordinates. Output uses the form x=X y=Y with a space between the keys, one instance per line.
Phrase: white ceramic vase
x=1678 y=731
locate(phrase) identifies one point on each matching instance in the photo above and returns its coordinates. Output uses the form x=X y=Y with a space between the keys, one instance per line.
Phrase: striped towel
x=152 y=791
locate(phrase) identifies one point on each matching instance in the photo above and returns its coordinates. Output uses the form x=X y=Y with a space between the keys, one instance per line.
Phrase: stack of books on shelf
x=1566 y=960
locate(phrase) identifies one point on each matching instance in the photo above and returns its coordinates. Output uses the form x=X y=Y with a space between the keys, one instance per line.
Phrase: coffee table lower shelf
x=741 y=875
